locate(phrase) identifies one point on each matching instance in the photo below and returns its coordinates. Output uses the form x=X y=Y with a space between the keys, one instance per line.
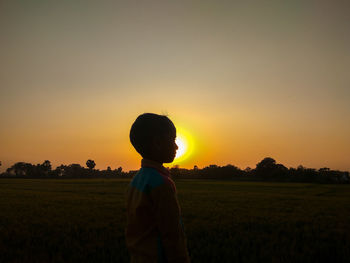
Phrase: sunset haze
x=241 y=81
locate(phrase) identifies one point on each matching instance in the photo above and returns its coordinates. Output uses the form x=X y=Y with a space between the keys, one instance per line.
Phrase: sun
x=185 y=145
x=182 y=146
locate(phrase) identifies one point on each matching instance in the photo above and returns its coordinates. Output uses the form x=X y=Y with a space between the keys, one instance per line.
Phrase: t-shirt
x=154 y=231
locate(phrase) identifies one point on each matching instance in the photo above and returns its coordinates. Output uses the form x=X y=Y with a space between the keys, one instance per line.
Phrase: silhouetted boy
x=154 y=231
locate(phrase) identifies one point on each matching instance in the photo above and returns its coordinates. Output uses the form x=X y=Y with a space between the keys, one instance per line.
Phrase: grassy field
x=83 y=221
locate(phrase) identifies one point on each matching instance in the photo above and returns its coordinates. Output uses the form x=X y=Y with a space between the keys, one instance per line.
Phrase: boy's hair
x=146 y=127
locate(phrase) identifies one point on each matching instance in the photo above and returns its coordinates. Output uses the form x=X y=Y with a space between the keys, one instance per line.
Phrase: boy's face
x=165 y=148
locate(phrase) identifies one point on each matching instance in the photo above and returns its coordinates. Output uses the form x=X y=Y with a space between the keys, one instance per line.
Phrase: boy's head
x=153 y=136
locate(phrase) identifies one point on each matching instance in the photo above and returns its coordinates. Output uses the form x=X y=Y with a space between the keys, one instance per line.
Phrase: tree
x=21 y=169
x=267 y=164
x=324 y=169
x=248 y=169
x=60 y=170
x=266 y=168
x=46 y=166
x=269 y=169
x=90 y=164
x=119 y=171
x=301 y=168
x=74 y=170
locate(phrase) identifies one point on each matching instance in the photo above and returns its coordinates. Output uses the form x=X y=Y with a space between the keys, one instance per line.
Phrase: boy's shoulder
x=148 y=178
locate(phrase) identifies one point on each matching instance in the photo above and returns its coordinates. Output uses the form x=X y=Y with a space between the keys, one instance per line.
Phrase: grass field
x=83 y=221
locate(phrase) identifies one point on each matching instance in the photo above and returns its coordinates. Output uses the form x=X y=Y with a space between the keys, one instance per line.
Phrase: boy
x=154 y=231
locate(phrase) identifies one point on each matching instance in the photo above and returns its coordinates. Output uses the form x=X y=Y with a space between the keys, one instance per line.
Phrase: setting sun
x=181 y=143
x=185 y=145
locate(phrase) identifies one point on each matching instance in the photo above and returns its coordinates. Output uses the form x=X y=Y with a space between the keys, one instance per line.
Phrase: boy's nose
x=176 y=147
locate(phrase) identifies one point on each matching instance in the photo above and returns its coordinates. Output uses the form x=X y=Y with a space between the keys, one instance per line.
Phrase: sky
x=243 y=80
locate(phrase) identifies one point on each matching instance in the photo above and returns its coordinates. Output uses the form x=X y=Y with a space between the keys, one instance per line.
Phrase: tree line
x=265 y=170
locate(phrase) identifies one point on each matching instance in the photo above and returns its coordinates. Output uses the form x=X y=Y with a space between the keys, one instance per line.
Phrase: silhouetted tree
x=60 y=170
x=266 y=164
x=74 y=170
x=324 y=169
x=300 y=167
x=270 y=170
x=20 y=169
x=248 y=169
x=90 y=164
x=45 y=167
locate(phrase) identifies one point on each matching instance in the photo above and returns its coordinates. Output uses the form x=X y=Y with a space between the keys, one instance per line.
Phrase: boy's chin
x=169 y=160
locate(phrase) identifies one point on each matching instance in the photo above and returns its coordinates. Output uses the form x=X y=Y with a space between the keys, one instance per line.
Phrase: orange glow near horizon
x=206 y=141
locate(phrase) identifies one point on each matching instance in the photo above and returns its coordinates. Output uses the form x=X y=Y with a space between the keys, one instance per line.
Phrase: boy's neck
x=151 y=162
x=154 y=164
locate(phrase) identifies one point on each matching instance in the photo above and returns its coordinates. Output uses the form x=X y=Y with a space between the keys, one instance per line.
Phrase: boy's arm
x=167 y=215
